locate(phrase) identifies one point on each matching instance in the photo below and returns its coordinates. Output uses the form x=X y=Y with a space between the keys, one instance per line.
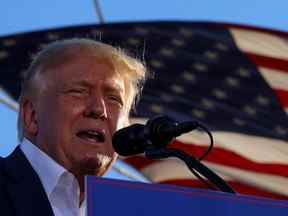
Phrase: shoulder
x=5 y=203
x=7 y=165
x=2 y=175
x=1 y=165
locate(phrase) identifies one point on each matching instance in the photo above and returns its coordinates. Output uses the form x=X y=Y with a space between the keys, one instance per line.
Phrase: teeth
x=91 y=134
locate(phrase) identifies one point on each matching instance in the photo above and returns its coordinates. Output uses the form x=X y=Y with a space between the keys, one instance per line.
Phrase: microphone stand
x=192 y=163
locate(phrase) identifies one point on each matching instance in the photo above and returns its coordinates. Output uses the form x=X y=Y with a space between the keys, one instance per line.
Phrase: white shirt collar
x=60 y=185
x=47 y=169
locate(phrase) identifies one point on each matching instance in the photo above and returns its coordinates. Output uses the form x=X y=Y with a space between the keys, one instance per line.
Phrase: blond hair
x=132 y=70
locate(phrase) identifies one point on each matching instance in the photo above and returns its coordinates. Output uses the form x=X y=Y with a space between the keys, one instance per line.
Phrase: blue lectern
x=113 y=197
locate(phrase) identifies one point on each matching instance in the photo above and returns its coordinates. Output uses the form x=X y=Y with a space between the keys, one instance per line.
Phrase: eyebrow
x=114 y=87
x=80 y=83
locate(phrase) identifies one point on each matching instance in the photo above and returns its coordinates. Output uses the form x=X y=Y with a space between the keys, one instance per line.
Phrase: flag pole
x=10 y=105
x=98 y=11
x=6 y=101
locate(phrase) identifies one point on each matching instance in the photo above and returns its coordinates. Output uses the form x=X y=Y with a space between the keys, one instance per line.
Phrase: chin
x=96 y=165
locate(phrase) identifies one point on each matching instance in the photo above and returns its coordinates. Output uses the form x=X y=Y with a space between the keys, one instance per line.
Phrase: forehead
x=83 y=67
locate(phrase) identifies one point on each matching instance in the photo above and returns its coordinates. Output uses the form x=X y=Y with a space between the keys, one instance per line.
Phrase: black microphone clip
x=160 y=131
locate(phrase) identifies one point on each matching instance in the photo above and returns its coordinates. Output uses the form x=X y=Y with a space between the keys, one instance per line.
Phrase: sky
x=29 y=15
x=32 y=15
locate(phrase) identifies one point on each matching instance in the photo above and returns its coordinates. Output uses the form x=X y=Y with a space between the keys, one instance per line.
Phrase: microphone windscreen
x=129 y=140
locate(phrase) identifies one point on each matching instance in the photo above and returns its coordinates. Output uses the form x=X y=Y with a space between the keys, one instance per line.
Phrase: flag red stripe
x=269 y=62
x=218 y=156
x=228 y=158
x=239 y=187
x=282 y=96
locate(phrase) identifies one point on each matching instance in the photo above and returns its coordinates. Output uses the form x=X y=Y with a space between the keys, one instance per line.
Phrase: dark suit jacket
x=21 y=191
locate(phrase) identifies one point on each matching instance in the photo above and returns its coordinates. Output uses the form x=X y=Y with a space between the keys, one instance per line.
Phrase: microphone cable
x=205 y=154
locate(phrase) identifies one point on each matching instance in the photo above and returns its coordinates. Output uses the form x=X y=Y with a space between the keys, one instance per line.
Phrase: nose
x=96 y=108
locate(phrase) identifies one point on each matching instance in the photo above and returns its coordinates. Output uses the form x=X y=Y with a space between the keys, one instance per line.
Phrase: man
x=75 y=95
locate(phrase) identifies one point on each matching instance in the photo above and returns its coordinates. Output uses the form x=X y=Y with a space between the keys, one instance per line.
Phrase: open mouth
x=91 y=135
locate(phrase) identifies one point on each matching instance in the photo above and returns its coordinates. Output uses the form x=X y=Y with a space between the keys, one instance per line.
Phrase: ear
x=29 y=117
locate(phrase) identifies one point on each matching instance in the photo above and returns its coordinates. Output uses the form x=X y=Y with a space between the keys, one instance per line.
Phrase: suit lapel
x=25 y=188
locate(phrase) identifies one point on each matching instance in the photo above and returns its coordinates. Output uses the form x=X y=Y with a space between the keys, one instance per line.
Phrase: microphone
x=152 y=139
x=157 y=133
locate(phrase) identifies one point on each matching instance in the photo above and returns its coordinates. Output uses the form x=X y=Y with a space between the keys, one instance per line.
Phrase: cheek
x=71 y=106
x=61 y=113
x=69 y=116
x=117 y=119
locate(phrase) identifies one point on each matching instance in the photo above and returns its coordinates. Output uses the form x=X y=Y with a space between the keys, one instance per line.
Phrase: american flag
x=232 y=78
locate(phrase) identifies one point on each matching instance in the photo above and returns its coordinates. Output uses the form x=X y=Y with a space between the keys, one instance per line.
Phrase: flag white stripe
x=276 y=78
x=254 y=148
x=260 y=43
x=172 y=169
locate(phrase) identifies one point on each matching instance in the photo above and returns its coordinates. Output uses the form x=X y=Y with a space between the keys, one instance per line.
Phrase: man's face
x=80 y=106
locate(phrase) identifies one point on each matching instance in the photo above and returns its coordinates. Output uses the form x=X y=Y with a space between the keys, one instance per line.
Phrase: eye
x=115 y=99
x=78 y=91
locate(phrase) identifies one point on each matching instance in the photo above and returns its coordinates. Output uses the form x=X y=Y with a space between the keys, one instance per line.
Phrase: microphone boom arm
x=192 y=163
